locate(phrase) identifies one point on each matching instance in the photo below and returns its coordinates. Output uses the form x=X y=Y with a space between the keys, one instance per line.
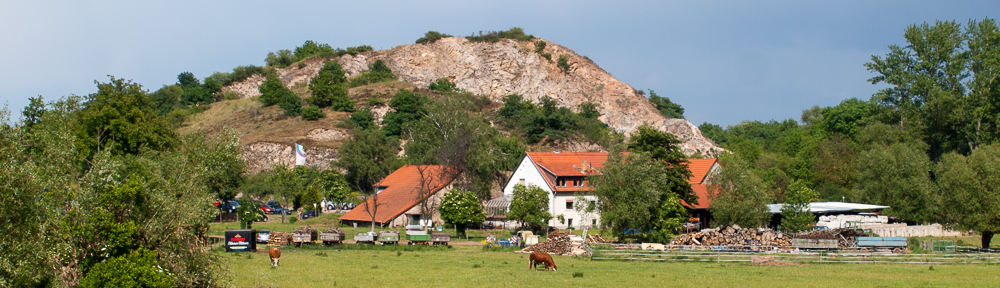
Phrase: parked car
x=263 y=236
x=276 y=206
x=230 y=206
x=309 y=214
x=267 y=209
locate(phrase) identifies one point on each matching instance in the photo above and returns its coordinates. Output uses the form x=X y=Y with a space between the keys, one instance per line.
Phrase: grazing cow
x=275 y=255
x=541 y=258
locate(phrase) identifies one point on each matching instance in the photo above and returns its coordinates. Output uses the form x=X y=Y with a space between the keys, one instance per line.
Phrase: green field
x=468 y=266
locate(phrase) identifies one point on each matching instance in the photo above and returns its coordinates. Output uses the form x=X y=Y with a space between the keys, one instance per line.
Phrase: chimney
x=583 y=167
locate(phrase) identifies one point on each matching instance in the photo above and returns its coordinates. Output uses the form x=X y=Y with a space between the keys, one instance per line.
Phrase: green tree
x=969 y=188
x=461 y=208
x=925 y=80
x=409 y=107
x=187 y=80
x=637 y=197
x=248 y=212
x=282 y=59
x=368 y=157
x=530 y=206
x=120 y=118
x=897 y=175
x=667 y=109
x=32 y=113
x=271 y=90
x=328 y=88
x=166 y=98
x=311 y=195
x=664 y=148
x=738 y=195
x=978 y=111
x=222 y=155
x=795 y=213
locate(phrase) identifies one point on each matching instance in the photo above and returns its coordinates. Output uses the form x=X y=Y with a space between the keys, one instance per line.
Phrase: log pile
x=334 y=230
x=845 y=237
x=280 y=238
x=734 y=235
x=553 y=245
x=597 y=239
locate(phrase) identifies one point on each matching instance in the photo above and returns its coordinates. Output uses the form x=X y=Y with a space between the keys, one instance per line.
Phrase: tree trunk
x=987 y=237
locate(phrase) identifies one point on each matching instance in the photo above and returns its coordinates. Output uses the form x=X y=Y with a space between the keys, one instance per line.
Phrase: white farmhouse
x=563 y=175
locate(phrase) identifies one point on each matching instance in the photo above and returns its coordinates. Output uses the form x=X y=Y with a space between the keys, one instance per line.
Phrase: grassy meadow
x=468 y=266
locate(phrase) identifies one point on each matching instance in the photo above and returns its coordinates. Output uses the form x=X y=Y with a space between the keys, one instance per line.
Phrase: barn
x=403 y=196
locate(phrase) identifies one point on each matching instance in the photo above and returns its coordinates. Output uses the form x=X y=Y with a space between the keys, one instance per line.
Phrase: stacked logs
x=597 y=239
x=845 y=237
x=734 y=235
x=553 y=245
x=279 y=238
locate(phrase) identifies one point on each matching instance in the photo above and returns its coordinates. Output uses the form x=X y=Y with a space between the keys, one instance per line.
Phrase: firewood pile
x=597 y=238
x=845 y=237
x=280 y=238
x=553 y=245
x=734 y=235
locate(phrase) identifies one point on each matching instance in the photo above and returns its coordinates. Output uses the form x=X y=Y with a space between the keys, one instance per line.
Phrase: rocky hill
x=507 y=67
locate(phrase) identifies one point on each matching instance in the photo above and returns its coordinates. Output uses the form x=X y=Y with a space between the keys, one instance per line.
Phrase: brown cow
x=541 y=258
x=275 y=254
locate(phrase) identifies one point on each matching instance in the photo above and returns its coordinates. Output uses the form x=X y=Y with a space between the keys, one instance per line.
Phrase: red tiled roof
x=561 y=164
x=699 y=169
x=553 y=164
x=703 y=201
x=402 y=192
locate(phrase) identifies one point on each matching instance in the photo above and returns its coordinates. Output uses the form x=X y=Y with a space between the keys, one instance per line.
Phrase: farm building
x=563 y=176
x=403 y=195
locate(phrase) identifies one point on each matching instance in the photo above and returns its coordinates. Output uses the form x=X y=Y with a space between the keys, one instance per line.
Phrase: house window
x=521 y=182
x=569 y=204
x=561 y=182
x=593 y=204
x=576 y=182
x=569 y=222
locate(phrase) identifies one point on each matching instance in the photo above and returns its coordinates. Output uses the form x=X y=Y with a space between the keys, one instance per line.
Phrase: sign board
x=241 y=240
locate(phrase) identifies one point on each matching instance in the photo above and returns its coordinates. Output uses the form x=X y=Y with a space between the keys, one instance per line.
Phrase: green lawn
x=468 y=266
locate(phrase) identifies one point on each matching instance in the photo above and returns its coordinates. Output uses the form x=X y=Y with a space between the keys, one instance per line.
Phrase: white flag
x=300 y=155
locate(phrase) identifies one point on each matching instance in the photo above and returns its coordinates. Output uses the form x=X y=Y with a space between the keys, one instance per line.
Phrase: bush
x=442 y=85
x=290 y=102
x=312 y=113
x=539 y=46
x=378 y=72
x=281 y=59
x=137 y=269
x=375 y=100
x=363 y=119
x=292 y=220
x=563 y=63
x=270 y=90
x=432 y=36
x=515 y=33
x=328 y=88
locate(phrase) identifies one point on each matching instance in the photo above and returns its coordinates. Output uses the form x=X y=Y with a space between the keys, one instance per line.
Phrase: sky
x=725 y=62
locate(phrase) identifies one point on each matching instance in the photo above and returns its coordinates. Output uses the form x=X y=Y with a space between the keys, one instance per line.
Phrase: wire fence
x=720 y=254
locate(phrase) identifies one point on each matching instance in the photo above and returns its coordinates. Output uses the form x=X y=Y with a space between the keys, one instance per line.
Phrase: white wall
x=557 y=203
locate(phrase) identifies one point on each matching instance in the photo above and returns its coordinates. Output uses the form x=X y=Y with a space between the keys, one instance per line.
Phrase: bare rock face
x=262 y=156
x=511 y=67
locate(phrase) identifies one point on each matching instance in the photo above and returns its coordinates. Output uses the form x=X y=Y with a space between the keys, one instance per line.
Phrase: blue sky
x=723 y=61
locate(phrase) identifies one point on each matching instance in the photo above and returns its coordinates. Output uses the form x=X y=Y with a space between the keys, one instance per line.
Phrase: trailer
x=884 y=244
x=815 y=244
x=364 y=238
x=415 y=234
x=331 y=238
x=302 y=238
x=440 y=238
x=388 y=237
